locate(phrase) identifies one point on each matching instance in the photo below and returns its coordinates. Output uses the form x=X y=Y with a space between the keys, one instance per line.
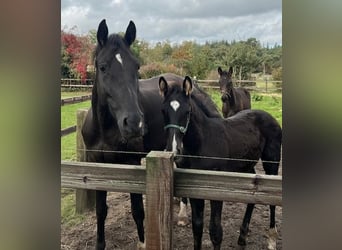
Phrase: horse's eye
x=103 y=68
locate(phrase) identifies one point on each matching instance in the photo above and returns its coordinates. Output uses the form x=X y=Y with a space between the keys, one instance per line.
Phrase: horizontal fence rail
x=76 y=86
x=69 y=130
x=247 y=84
x=73 y=81
x=201 y=184
x=75 y=99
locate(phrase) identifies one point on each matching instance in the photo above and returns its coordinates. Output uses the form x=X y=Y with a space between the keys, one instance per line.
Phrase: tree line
x=186 y=58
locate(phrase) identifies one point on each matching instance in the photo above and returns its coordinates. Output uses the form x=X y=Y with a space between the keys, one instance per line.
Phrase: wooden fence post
x=85 y=199
x=159 y=200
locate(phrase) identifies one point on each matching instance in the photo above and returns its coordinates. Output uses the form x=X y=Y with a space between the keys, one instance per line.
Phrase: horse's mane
x=204 y=102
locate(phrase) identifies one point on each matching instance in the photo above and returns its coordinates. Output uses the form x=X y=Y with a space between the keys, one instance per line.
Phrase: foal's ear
x=219 y=70
x=230 y=71
x=162 y=86
x=130 y=33
x=102 y=33
x=187 y=85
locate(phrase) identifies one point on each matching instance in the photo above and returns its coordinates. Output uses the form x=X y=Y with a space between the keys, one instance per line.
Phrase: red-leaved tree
x=76 y=53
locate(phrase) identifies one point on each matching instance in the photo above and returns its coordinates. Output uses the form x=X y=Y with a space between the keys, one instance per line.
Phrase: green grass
x=68 y=113
x=68 y=215
x=68 y=147
x=68 y=118
x=270 y=103
x=68 y=153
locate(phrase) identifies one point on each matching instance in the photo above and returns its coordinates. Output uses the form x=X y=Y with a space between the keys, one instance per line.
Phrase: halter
x=180 y=128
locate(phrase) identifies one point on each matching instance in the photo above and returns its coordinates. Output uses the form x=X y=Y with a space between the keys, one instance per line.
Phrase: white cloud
x=179 y=20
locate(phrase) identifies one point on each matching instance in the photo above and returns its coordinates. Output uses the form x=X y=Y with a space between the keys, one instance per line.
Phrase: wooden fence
x=160 y=182
x=213 y=84
x=248 y=84
x=70 y=81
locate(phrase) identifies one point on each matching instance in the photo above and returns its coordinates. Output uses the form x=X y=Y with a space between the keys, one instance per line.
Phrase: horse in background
x=122 y=124
x=233 y=99
x=250 y=134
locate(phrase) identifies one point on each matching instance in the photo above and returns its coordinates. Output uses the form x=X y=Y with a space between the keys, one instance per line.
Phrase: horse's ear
x=102 y=33
x=230 y=71
x=162 y=86
x=187 y=85
x=130 y=33
x=219 y=70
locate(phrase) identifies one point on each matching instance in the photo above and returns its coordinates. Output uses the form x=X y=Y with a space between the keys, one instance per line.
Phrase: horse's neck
x=199 y=124
x=102 y=117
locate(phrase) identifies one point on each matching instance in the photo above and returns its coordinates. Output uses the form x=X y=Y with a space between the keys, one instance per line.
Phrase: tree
x=76 y=54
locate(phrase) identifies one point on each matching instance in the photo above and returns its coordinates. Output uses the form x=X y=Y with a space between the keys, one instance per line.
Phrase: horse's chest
x=112 y=152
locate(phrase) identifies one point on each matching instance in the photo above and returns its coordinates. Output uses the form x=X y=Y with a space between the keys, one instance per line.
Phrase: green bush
x=154 y=69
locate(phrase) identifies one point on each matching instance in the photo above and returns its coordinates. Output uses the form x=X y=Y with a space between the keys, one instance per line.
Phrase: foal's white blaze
x=140 y=124
x=118 y=57
x=174 y=144
x=175 y=105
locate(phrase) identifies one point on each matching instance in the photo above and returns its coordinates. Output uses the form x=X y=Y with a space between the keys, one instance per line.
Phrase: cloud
x=180 y=20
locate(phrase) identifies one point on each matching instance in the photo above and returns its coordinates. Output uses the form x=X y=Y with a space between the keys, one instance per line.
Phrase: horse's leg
x=272 y=169
x=215 y=227
x=138 y=213
x=182 y=215
x=101 y=214
x=246 y=220
x=245 y=224
x=197 y=207
x=224 y=110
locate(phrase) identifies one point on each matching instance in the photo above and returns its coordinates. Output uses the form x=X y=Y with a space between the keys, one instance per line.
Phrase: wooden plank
x=76 y=86
x=228 y=186
x=68 y=130
x=159 y=200
x=214 y=185
x=102 y=176
x=85 y=199
x=76 y=99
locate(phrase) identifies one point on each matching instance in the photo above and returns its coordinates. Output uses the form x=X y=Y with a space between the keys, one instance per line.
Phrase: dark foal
x=250 y=134
x=233 y=99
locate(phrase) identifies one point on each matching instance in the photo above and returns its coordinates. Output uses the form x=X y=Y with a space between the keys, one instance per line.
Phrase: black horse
x=250 y=134
x=233 y=99
x=124 y=116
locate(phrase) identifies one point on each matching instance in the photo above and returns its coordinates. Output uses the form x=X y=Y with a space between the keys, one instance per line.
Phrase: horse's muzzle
x=224 y=97
x=133 y=126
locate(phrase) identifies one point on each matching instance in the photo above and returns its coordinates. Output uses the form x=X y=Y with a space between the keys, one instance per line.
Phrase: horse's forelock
x=114 y=39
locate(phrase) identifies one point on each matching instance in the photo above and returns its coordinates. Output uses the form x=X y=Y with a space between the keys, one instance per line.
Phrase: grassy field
x=68 y=118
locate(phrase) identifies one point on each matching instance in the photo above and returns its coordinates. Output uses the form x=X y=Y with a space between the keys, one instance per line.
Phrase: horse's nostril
x=125 y=121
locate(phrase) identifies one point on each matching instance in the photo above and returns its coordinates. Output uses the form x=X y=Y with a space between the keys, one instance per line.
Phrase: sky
x=179 y=20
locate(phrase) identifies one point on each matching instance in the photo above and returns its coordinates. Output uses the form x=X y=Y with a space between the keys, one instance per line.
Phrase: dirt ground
x=121 y=231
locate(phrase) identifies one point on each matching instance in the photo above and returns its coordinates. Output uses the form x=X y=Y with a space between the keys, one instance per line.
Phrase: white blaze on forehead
x=118 y=57
x=175 y=105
